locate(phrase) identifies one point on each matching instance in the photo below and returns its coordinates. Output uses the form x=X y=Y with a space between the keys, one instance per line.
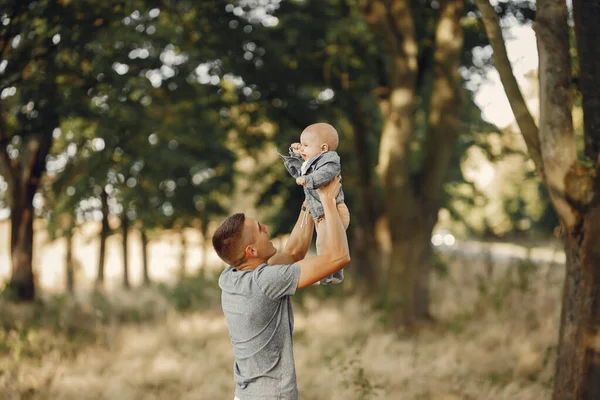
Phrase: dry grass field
x=494 y=337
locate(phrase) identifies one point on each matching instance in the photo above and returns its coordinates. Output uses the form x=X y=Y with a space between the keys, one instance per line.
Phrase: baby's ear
x=324 y=147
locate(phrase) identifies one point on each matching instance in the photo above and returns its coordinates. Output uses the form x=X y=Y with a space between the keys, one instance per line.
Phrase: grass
x=494 y=337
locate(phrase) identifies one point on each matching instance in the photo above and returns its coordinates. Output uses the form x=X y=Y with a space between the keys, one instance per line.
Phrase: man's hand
x=301 y=181
x=331 y=189
x=296 y=147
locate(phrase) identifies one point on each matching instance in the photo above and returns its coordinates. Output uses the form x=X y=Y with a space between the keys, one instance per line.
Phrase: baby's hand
x=296 y=147
x=301 y=181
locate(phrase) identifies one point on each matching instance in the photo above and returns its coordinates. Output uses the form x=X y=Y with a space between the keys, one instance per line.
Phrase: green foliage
x=192 y=293
x=152 y=135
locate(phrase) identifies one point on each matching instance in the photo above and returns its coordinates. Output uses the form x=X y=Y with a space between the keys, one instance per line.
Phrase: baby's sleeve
x=292 y=164
x=325 y=172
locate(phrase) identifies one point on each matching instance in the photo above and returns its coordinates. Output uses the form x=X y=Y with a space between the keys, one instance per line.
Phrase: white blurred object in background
x=443 y=237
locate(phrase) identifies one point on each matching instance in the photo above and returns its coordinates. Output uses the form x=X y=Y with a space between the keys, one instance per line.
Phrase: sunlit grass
x=494 y=337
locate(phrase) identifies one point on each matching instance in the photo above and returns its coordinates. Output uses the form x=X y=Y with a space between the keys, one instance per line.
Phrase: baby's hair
x=326 y=133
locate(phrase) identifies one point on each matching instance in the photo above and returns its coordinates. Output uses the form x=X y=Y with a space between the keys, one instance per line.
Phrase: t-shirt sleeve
x=277 y=281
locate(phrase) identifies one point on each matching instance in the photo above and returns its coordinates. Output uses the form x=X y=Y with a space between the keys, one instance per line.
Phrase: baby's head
x=317 y=138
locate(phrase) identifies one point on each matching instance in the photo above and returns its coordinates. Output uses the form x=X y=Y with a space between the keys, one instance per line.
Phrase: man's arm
x=336 y=253
x=298 y=242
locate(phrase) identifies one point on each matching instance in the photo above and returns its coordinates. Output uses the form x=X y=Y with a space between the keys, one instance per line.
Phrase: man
x=256 y=290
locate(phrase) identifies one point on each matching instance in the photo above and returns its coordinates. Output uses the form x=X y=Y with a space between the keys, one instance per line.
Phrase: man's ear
x=250 y=251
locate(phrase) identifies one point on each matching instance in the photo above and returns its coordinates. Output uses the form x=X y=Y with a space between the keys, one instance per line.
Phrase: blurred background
x=130 y=129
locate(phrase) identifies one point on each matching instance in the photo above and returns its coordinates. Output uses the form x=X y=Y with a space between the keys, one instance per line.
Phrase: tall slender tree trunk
x=523 y=116
x=125 y=235
x=23 y=176
x=146 y=272
x=69 y=266
x=205 y=245
x=22 y=284
x=182 y=254
x=104 y=232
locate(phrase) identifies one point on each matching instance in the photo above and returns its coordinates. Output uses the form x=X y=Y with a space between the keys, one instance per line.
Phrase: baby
x=314 y=162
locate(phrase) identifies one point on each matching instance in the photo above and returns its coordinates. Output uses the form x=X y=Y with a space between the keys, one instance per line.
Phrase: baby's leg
x=344 y=213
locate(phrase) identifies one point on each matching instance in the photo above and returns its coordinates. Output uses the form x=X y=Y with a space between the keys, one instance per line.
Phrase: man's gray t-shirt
x=259 y=314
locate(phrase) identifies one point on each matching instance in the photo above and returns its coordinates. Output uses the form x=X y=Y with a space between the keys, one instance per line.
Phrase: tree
x=379 y=97
x=143 y=88
x=46 y=48
x=412 y=199
x=572 y=181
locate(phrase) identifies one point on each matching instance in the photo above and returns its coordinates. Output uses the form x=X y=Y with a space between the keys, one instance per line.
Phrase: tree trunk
x=69 y=267
x=145 y=257
x=523 y=116
x=182 y=254
x=557 y=141
x=587 y=29
x=23 y=176
x=394 y=22
x=125 y=234
x=404 y=302
x=22 y=284
x=104 y=232
x=205 y=245
x=578 y=362
x=365 y=249
x=444 y=123
x=411 y=205
x=574 y=187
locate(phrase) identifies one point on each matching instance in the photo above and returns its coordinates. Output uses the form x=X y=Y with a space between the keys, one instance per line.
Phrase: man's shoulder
x=231 y=276
x=271 y=281
x=225 y=276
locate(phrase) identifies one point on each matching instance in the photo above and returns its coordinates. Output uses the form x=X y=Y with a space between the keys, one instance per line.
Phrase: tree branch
x=557 y=141
x=5 y=163
x=38 y=149
x=398 y=106
x=523 y=116
x=378 y=17
x=446 y=103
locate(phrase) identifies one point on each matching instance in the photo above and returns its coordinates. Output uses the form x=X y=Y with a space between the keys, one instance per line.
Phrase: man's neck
x=250 y=264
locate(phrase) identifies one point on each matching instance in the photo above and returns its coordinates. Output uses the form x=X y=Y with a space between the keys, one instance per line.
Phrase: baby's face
x=311 y=144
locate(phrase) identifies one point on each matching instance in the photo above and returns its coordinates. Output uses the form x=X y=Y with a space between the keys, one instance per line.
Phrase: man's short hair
x=228 y=239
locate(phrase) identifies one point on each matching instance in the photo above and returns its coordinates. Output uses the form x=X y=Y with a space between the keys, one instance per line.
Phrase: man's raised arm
x=298 y=242
x=336 y=253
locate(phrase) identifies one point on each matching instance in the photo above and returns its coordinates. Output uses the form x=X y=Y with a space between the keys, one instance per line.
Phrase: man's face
x=310 y=145
x=260 y=239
